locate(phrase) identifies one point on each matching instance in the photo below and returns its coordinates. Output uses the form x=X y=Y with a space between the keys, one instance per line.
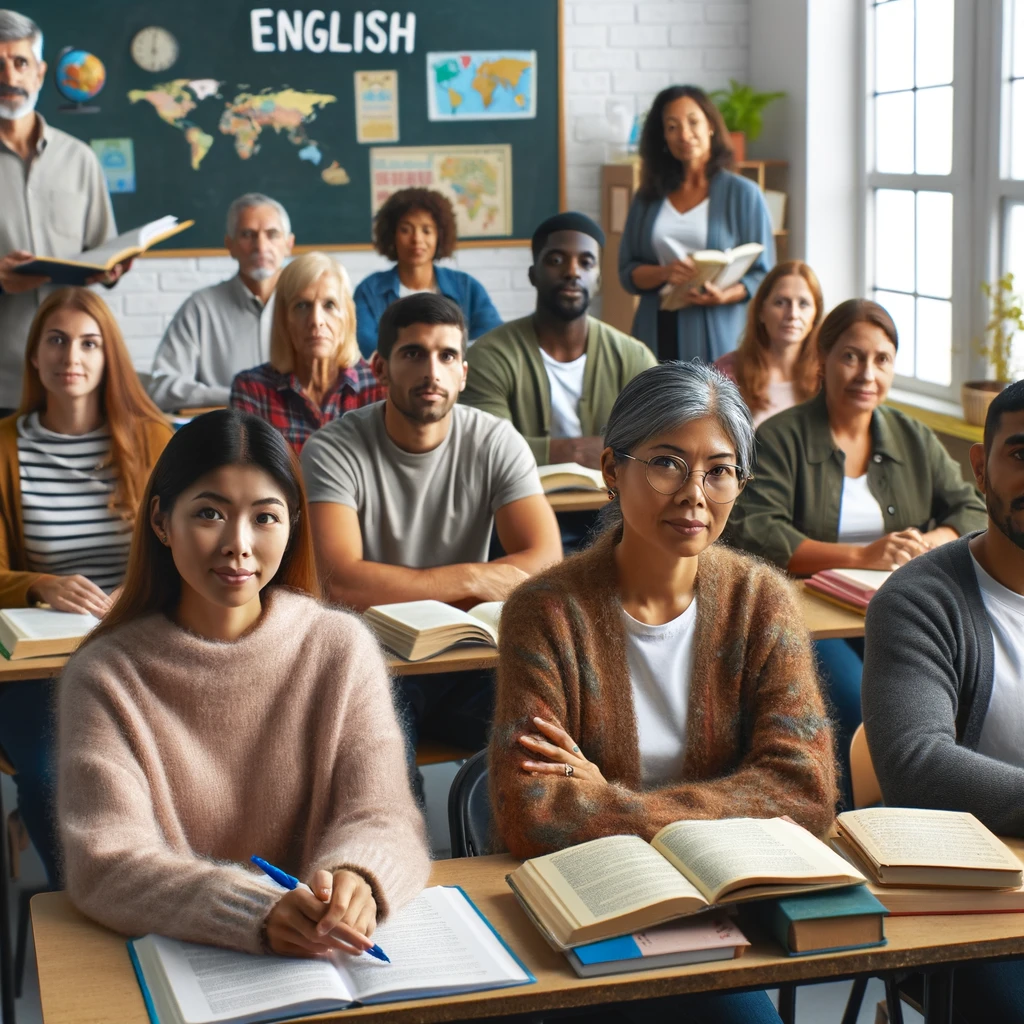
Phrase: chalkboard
x=456 y=65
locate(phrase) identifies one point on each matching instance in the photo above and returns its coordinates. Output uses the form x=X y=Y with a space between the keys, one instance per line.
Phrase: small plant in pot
x=741 y=109
x=1006 y=319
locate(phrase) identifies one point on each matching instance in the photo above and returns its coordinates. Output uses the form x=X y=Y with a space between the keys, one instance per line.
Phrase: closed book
x=699 y=940
x=38 y=632
x=824 y=922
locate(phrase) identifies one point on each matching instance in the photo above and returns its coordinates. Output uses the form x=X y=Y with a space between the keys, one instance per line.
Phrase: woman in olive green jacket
x=844 y=481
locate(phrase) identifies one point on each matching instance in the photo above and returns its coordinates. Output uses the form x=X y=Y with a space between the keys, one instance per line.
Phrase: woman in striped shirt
x=74 y=461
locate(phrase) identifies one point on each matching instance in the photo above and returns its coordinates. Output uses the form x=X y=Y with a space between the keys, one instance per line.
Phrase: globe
x=80 y=76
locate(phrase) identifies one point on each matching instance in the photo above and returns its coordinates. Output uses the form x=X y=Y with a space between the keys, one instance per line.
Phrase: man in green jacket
x=557 y=373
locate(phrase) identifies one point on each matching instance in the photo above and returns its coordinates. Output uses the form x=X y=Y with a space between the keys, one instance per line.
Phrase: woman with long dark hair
x=220 y=710
x=689 y=200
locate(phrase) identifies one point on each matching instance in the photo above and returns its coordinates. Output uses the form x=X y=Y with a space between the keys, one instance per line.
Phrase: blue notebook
x=440 y=945
x=824 y=922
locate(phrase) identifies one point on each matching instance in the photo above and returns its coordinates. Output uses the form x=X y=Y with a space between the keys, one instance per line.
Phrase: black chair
x=469 y=808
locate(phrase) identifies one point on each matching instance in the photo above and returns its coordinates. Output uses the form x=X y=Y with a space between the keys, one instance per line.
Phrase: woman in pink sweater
x=220 y=711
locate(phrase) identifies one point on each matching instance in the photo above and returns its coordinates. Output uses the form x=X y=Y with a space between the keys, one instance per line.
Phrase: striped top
x=69 y=526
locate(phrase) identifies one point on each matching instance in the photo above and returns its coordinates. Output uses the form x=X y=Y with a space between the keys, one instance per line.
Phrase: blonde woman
x=315 y=373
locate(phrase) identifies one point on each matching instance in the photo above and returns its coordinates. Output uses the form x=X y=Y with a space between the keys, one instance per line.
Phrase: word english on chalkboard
x=319 y=32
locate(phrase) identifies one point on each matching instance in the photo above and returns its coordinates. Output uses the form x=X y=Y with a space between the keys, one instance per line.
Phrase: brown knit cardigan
x=758 y=742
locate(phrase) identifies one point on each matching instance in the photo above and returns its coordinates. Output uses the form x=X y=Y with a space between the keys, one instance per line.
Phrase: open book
x=570 y=476
x=37 y=632
x=439 y=945
x=620 y=884
x=722 y=269
x=848 y=588
x=78 y=269
x=416 y=630
x=910 y=847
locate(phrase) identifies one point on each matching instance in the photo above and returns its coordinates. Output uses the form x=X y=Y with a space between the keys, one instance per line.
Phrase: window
x=1011 y=162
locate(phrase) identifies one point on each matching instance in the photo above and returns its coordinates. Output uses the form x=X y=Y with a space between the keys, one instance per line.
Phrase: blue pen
x=291 y=882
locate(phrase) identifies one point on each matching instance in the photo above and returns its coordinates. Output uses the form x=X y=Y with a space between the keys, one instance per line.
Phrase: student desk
x=85 y=975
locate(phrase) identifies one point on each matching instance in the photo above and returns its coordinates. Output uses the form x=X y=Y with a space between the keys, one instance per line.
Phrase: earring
x=611 y=494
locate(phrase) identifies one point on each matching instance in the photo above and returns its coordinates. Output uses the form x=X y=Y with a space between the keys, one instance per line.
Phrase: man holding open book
x=943 y=687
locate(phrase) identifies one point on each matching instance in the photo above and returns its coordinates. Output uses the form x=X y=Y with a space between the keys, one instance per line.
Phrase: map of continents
x=244 y=119
x=482 y=85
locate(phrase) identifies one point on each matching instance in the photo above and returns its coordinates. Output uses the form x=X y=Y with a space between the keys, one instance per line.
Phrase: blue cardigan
x=736 y=214
x=377 y=291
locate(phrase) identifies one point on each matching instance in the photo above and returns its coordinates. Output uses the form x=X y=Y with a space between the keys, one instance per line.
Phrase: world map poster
x=482 y=85
x=477 y=180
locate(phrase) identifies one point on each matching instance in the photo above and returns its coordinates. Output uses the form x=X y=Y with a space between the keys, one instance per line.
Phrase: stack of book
x=848 y=588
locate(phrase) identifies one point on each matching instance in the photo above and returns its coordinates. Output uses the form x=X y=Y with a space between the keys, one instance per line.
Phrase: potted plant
x=741 y=109
x=1006 y=319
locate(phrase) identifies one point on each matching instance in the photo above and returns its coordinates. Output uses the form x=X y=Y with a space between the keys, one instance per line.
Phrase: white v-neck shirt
x=675 y=235
x=565 y=382
x=1002 y=734
x=860 y=515
x=660 y=661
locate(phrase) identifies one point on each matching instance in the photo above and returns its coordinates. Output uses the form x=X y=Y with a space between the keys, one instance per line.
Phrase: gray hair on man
x=665 y=397
x=251 y=199
x=15 y=26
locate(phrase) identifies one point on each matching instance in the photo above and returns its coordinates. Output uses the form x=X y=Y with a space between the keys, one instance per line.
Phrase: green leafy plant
x=741 y=107
x=1005 y=321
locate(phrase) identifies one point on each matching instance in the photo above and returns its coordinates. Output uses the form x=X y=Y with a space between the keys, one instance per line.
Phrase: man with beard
x=404 y=494
x=53 y=197
x=557 y=373
x=943 y=684
x=224 y=329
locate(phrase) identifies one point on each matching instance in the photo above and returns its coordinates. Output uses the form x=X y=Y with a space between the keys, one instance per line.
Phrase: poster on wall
x=376 y=106
x=482 y=85
x=477 y=180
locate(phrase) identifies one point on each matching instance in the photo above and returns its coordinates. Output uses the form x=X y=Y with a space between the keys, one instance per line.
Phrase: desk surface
x=824 y=620
x=85 y=976
x=577 y=501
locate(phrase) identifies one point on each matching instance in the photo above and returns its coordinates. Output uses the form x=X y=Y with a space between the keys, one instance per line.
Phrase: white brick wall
x=617 y=55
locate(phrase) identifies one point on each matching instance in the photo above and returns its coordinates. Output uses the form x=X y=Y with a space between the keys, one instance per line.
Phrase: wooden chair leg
x=787 y=1004
x=855 y=1000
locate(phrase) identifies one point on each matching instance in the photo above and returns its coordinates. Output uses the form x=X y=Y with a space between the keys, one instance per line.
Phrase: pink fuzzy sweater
x=181 y=756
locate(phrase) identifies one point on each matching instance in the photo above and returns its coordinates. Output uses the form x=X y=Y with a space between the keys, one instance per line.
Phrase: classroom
x=512 y=511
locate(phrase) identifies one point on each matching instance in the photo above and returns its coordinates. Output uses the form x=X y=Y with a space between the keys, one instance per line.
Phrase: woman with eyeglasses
x=658 y=676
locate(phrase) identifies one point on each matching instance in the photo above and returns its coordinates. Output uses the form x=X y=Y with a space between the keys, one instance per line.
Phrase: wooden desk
x=824 y=620
x=577 y=501
x=85 y=976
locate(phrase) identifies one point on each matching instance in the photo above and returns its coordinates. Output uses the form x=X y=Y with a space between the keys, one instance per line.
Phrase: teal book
x=824 y=922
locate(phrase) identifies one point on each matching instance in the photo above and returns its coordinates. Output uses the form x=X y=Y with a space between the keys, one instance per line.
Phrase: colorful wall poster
x=117 y=158
x=482 y=85
x=376 y=106
x=477 y=180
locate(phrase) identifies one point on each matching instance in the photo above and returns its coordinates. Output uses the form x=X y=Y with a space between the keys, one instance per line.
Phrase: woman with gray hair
x=659 y=676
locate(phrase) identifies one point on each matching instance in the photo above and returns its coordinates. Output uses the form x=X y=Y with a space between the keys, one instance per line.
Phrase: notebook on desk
x=439 y=945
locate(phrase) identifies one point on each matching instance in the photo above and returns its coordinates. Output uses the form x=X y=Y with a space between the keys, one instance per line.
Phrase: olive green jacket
x=798 y=482
x=507 y=379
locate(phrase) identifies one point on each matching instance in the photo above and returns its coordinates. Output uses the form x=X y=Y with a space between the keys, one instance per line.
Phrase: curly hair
x=385 y=223
x=660 y=172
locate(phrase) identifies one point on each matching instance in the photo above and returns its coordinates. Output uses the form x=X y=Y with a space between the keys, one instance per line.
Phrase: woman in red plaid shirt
x=315 y=373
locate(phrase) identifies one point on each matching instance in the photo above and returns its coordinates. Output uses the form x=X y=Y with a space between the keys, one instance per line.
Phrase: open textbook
x=570 y=476
x=721 y=269
x=439 y=945
x=420 y=629
x=620 y=884
x=37 y=632
x=78 y=269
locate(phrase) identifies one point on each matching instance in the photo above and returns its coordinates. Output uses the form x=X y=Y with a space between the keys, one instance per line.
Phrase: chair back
x=469 y=808
x=866 y=791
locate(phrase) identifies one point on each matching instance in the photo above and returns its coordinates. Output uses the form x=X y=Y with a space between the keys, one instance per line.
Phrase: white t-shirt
x=660 y=660
x=1002 y=735
x=403 y=291
x=860 y=515
x=676 y=234
x=565 y=381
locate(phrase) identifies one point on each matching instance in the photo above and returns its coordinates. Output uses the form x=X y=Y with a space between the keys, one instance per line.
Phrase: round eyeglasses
x=667 y=473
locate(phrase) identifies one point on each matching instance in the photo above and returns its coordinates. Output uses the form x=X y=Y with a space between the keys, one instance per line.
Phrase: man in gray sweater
x=943 y=685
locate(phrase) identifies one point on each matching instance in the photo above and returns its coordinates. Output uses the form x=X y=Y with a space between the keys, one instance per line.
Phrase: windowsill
x=942 y=416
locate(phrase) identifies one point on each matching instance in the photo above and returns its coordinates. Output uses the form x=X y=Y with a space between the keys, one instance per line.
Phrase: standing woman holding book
x=657 y=675
x=74 y=460
x=847 y=482
x=690 y=199
x=776 y=364
x=220 y=711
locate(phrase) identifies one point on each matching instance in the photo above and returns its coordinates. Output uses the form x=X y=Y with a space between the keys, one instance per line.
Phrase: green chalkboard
x=232 y=127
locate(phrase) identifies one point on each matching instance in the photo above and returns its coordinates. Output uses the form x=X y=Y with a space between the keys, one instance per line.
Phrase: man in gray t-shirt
x=404 y=494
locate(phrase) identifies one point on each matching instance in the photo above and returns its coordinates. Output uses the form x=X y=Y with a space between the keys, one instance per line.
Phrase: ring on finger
x=568 y=771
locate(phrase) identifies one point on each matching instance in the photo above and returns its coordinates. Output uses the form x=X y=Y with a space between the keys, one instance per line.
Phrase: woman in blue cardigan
x=690 y=200
x=414 y=228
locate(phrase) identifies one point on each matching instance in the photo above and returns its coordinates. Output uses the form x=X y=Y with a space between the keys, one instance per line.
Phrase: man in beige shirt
x=53 y=197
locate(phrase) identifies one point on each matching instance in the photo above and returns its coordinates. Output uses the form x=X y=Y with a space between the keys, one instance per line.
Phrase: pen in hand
x=291 y=882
